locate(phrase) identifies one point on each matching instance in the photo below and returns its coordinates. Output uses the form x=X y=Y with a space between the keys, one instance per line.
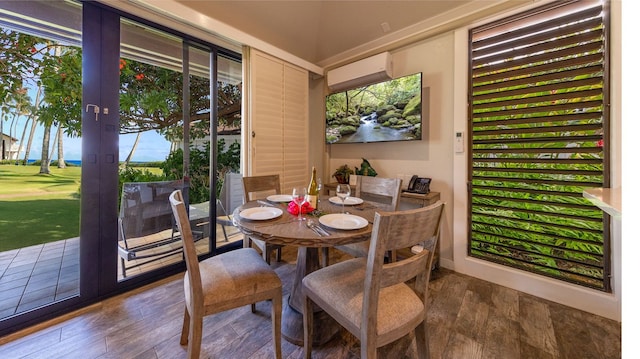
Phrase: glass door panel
x=40 y=154
x=199 y=149
x=151 y=158
x=229 y=191
x=142 y=145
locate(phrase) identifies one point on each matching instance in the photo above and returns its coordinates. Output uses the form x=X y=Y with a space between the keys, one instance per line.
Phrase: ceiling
x=319 y=30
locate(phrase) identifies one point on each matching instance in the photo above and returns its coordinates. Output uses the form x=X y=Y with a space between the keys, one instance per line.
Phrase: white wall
x=430 y=157
x=443 y=62
x=317 y=155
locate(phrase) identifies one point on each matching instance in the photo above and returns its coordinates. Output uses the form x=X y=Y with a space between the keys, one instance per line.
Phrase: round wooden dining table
x=287 y=230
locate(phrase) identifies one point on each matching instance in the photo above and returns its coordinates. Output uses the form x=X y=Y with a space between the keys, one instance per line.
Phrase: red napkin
x=293 y=208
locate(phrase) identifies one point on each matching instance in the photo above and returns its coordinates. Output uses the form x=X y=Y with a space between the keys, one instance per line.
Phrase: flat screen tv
x=381 y=112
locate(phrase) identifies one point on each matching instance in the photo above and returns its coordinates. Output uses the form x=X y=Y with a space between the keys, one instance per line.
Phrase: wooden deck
x=41 y=274
x=37 y=275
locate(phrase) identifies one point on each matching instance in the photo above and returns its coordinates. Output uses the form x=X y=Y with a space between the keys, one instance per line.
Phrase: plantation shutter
x=538 y=118
x=266 y=124
x=279 y=120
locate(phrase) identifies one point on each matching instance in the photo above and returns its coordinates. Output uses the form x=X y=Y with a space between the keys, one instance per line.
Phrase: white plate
x=350 y=201
x=261 y=213
x=280 y=198
x=343 y=221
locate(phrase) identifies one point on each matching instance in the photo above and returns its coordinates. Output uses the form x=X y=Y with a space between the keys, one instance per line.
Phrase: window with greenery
x=538 y=119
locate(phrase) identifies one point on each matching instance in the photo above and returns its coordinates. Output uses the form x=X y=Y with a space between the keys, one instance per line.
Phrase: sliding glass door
x=165 y=143
x=146 y=113
x=152 y=104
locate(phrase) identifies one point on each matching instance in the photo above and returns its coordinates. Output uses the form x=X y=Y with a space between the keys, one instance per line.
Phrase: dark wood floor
x=468 y=318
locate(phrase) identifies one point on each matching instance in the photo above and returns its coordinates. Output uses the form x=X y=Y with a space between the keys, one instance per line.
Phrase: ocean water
x=70 y=162
x=76 y=162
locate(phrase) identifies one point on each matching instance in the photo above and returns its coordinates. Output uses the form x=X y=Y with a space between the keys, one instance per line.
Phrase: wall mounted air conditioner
x=364 y=72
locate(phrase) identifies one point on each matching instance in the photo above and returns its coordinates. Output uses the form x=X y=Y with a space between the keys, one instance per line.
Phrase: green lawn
x=37 y=208
x=17 y=180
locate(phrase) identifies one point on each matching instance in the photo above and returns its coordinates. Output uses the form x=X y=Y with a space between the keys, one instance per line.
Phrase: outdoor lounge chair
x=146 y=227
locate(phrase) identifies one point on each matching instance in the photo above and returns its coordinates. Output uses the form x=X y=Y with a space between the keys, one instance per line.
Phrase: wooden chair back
x=251 y=280
x=189 y=247
x=256 y=187
x=391 y=231
x=379 y=189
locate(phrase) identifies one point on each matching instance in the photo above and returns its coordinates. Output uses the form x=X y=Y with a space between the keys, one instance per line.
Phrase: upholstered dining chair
x=380 y=302
x=374 y=189
x=225 y=281
x=257 y=187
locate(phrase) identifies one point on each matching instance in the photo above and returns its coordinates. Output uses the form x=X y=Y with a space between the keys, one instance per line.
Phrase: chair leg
x=279 y=254
x=124 y=268
x=307 y=319
x=184 y=337
x=276 y=320
x=422 y=340
x=368 y=350
x=266 y=254
x=195 y=338
x=224 y=231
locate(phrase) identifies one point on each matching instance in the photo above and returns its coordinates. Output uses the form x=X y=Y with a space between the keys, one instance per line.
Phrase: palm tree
x=61 y=163
x=32 y=117
x=133 y=150
x=61 y=80
x=19 y=106
x=44 y=158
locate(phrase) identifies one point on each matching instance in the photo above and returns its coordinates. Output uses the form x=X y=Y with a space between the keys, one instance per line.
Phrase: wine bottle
x=312 y=191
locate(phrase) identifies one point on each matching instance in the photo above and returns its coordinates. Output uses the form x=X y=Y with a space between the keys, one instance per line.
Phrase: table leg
x=324 y=327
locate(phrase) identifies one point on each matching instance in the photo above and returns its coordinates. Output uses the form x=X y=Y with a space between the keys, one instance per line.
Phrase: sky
x=152 y=146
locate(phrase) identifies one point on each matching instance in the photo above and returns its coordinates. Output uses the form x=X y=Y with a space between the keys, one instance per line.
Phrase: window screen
x=538 y=115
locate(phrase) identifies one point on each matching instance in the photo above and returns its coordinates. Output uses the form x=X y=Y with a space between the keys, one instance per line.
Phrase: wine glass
x=299 y=195
x=319 y=188
x=343 y=191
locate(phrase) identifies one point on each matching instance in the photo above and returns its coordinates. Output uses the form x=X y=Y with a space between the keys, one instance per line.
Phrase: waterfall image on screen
x=380 y=112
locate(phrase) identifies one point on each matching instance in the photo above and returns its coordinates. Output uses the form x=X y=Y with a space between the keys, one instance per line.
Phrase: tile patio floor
x=41 y=274
x=36 y=275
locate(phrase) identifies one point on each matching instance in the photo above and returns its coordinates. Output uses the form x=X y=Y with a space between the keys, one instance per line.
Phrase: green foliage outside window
x=228 y=161
x=199 y=159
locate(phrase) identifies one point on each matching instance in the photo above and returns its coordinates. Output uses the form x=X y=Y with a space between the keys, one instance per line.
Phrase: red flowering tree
x=151 y=99
x=150 y=96
x=17 y=63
